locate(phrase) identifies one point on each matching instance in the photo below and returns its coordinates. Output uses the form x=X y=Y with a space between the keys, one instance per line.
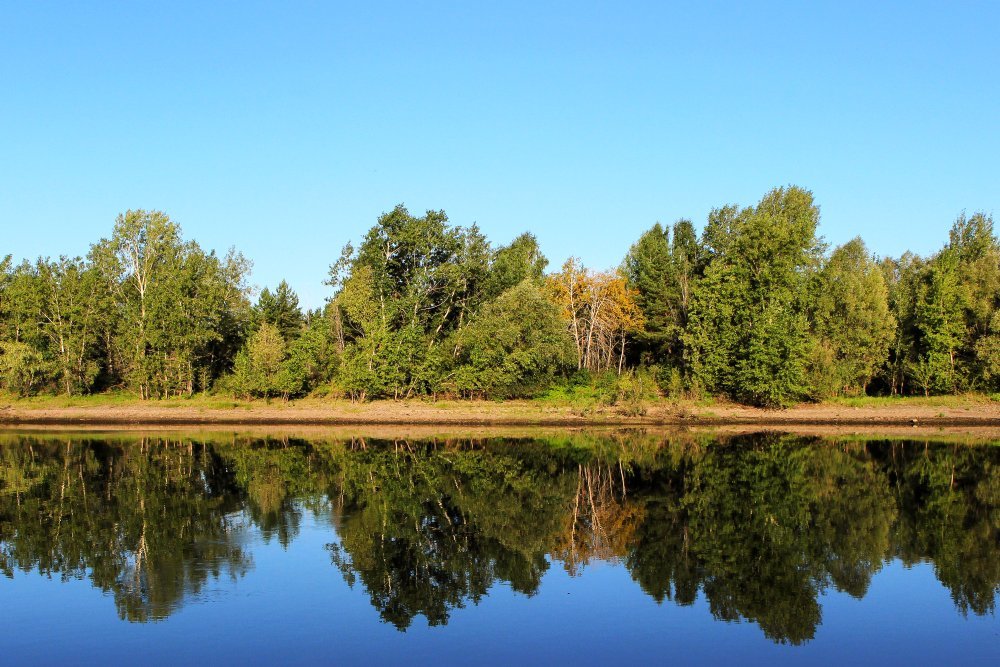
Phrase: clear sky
x=286 y=128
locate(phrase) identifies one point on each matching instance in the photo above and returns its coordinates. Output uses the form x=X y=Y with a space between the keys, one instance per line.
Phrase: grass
x=947 y=401
x=596 y=398
x=575 y=396
x=123 y=399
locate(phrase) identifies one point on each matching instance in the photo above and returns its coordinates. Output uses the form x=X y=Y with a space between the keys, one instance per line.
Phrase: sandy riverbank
x=948 y=412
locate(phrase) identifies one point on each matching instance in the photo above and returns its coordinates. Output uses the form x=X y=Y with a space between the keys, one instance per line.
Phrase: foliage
x=601 y=312
x=946 y=307
x=406 y=296
x=851 y=322
x=661 y=268
x=178 y=313
x=258 y=368
x=514 y=347
x=748 y=333
x=22 y=368
x=753 y=310
x=281 y=309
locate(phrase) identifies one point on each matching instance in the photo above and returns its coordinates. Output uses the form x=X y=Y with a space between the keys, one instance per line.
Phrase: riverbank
x=118 y=410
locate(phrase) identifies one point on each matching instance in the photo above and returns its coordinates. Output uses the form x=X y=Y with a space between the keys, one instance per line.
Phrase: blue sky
x=286 y=128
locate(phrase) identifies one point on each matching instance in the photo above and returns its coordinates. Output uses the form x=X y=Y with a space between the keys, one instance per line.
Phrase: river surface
x=568 y=548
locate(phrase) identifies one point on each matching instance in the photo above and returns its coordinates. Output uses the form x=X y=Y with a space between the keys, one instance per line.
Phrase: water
x=563 y=548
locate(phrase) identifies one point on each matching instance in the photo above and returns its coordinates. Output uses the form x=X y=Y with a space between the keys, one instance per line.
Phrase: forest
x=757 y=309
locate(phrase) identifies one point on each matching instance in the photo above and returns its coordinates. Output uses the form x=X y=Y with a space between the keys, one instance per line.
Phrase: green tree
x=648 y=269
x=418 y=274
x=23 y=370
x=952 y=299
x=407 y=292
x=748 y=334
x=940 y=327
x=180 y=313
x=280 y=308
x=26 y=363
x=901 y=277
x=522 y=259
x=851 y=322
x=515 y=346
x=258 y=367
x=142 y=250
x=73 y=312
x=662 y=271
x=371 y=360
x=311 y=358
x=974 y=241
x=988 y=354
x=6 y=264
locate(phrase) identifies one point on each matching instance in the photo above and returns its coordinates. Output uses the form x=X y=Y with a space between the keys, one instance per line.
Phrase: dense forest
x=756 y=308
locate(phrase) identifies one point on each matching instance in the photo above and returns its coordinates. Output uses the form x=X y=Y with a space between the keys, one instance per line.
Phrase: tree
x=601 y=313
x=372 y=365
x=179 y=313
x=851 y=322
x=311 y=358
x=940 y=327
x=420 y=280
x=662 y=271
x=5 y=280
x=648 y=270
x=748 y=333
x=901 y=277
x=514 y=347
x=258 y=366
x=974 y=241
x=950 y=303
x=407 y=292
x=22 y=368
x=280 y=308
x=26 y=364
x=522 y=259
x=988 y=354
x=205 y=317
x=140 y=253
x=73 y=311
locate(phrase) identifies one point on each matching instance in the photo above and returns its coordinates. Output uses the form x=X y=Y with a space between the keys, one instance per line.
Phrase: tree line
x=755 y=308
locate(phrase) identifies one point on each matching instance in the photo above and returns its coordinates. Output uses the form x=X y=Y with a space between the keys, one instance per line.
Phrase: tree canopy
x=754 y=308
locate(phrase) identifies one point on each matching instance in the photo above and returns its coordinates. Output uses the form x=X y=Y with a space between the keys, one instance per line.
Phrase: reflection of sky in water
x=293 y=606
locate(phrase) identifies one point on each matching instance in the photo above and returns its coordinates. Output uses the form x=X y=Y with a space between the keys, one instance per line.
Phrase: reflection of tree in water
x=950 y=502
x=150 y=522
x=760 y=526
x=276 y=477
x=764 y=526
x=602 y=523
x=426 y=531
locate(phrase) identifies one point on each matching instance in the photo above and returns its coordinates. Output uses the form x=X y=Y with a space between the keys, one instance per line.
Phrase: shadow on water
x=758 y=525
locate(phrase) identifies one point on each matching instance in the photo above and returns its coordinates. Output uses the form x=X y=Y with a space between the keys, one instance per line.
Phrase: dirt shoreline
x=482 y=413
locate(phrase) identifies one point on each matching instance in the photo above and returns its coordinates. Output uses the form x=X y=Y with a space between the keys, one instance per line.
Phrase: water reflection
x=149 y=522
x=760 y=526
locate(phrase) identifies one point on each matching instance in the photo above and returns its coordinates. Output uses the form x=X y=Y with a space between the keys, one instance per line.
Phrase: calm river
x=562 y=548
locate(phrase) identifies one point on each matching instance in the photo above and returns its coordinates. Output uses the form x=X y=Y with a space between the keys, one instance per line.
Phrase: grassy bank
x=973 y=409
